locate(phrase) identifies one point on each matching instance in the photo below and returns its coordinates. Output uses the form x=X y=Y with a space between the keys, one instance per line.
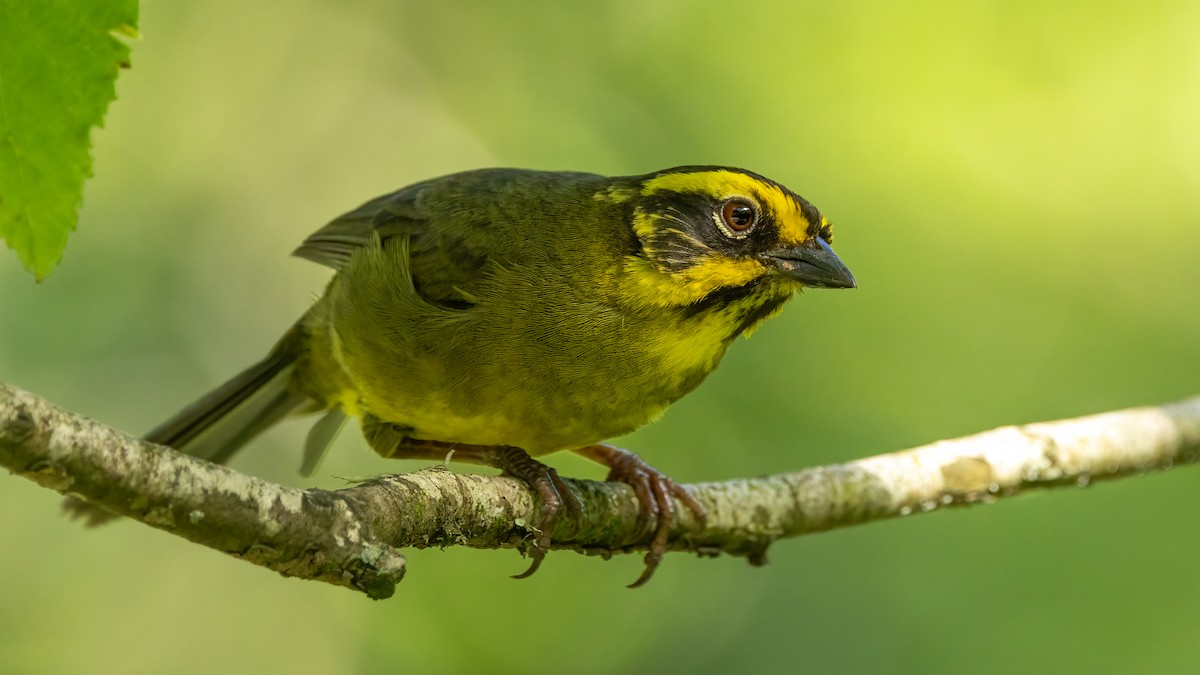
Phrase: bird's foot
x=554 y=495
x=655 y=491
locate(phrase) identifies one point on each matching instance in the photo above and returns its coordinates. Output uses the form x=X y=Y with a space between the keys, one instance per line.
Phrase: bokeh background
x=1016 y=186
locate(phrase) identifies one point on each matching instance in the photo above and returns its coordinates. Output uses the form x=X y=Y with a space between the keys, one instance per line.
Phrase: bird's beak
x=813 y=264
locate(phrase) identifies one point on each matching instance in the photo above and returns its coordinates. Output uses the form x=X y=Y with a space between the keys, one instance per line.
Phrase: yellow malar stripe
x=652 y=286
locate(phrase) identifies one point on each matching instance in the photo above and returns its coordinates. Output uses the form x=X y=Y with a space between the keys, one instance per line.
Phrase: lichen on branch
x=350 y=537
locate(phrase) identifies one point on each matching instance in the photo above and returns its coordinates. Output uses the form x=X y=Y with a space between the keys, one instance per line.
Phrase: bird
x=506 y=314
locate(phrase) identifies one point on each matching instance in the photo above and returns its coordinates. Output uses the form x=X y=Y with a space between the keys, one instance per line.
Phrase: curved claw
x=553 y=492
x=655 y=492
x=391 y=441
x=538 y=556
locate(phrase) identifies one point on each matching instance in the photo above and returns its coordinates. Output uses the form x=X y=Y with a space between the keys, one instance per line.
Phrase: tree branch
x=349 y=537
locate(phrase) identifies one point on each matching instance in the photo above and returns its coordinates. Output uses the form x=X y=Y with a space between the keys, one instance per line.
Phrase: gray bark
x=350 y=537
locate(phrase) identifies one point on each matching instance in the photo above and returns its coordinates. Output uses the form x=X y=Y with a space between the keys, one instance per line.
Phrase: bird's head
x=708 y=232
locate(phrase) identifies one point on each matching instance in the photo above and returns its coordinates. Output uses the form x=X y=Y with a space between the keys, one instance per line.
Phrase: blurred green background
x=1016 y=186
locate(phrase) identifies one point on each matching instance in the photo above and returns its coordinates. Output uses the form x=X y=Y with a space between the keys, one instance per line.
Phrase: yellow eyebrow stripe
x=720 y=184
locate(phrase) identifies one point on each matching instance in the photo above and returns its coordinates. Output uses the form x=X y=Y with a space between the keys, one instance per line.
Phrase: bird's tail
x=219 y=424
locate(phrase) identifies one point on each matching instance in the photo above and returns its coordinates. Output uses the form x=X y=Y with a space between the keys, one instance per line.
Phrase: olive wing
x=387 y=216
x=445 y=249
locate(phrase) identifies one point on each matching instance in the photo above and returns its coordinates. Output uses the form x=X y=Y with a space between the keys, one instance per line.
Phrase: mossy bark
x=350 y=537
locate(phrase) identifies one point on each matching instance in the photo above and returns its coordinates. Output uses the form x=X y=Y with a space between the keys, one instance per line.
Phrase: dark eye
x=739 y=215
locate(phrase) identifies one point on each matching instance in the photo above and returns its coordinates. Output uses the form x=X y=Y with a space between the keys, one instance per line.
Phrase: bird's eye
x=739 y=216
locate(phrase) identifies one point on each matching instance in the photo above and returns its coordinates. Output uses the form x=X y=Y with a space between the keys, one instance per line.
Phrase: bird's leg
x=654 y=490
x=390 y=441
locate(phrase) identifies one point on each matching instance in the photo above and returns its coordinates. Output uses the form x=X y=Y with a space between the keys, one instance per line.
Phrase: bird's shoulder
x=455 y=225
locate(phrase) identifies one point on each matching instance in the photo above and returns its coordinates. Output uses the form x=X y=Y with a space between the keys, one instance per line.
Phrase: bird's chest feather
x=542 y=359
x=516 y=371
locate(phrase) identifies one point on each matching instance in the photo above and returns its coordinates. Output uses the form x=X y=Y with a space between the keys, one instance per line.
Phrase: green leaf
x=58 y=68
